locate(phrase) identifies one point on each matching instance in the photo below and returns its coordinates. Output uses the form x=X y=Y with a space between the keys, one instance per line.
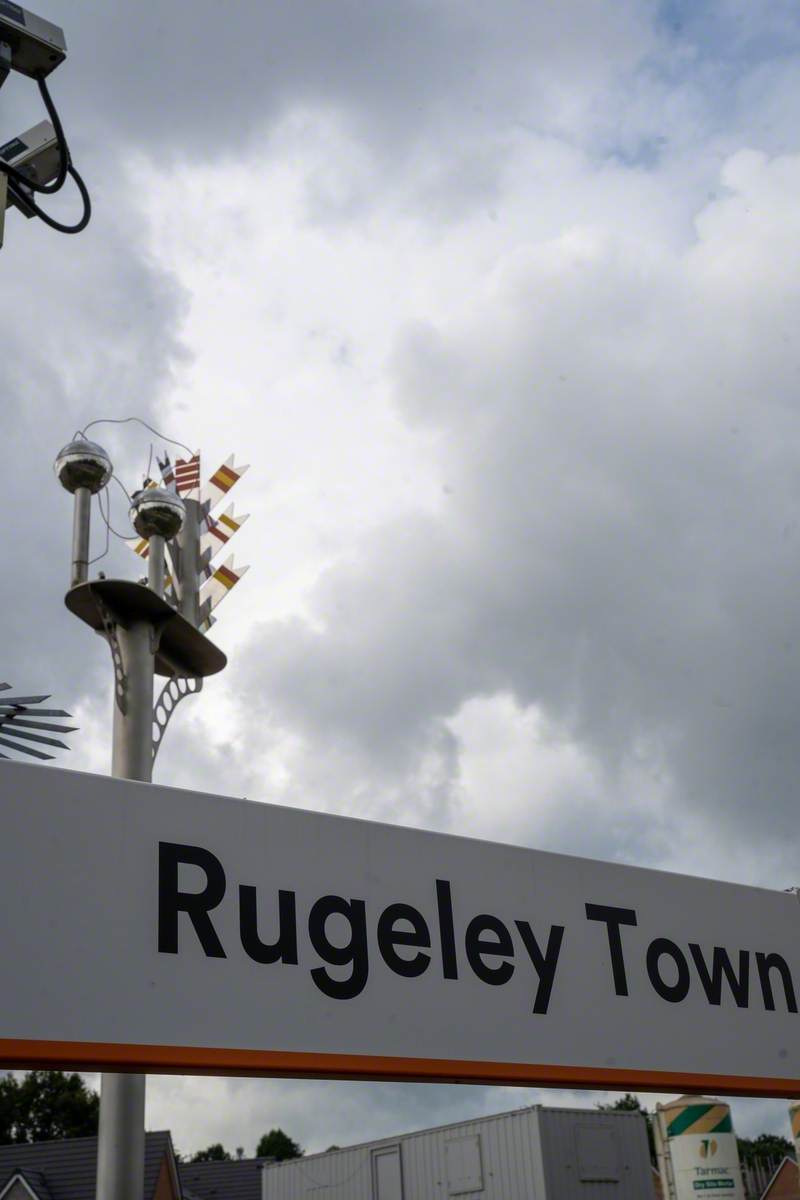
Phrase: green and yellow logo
x=699 y=1118
x=708 y=1147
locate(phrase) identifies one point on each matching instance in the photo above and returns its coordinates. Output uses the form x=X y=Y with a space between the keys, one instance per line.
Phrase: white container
x=529 y=1154
x=698 y=1158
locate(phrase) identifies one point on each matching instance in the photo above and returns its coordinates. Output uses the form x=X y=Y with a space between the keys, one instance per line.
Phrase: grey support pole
x=189 y=544
x=132 y=750
x=156 y=515
x=120 y=1149
x=155 y=565
x=80 y=536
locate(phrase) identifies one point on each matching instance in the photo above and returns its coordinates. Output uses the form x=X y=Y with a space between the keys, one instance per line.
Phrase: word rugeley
x=411 y=942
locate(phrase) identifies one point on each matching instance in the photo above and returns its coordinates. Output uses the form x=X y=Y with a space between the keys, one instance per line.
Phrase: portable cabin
x=530 y=1154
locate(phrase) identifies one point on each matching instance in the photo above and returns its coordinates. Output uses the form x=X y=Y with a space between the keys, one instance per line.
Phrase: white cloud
x=500 y=304
x=558 y=637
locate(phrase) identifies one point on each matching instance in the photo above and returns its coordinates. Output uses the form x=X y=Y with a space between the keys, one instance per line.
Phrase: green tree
x=631 y=1103
x=213 y=1153
x=767 y=1147
x=8 y=1109
x=277 y=1144
x=46 y=1105
x=626 y=1103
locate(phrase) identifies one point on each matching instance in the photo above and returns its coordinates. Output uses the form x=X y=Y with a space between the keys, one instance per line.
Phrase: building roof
x=66 y=1169
x=34 y=1180
x=784 y=1184
x=237 y=1180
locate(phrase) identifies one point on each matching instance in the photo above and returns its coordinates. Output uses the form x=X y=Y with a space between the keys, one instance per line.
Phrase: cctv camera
x=35 y=46
x=35 y=154
x=39 y=162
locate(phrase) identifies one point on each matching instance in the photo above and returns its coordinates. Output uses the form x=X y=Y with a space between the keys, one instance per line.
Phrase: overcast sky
x=501 y=304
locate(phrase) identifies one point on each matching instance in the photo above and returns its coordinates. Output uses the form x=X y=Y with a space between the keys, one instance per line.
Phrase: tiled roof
x=34 y=1179
x=66 y=1169
x=237 y=1180
x=784 y=1183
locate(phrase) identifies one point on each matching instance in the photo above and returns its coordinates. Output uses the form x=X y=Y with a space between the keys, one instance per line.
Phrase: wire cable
x=66 y=157
x=123 y=537
x=29 y=203
x=120 y=484
x=139 y=421
x=316 y=1183
x=97 y=557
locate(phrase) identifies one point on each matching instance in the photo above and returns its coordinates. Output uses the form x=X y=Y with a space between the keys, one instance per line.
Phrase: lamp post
x=147 y=636
x=84 y=469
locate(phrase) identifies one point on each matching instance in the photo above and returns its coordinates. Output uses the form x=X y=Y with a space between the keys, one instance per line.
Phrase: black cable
x=97 y=557
x=66 y=157
x=29 y=203
x=123 y=537
x=120 y=484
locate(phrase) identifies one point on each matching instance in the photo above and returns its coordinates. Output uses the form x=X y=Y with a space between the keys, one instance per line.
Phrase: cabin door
x=387 y=1177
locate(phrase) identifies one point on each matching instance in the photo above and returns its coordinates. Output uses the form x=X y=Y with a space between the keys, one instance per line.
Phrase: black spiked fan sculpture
x=21 y=724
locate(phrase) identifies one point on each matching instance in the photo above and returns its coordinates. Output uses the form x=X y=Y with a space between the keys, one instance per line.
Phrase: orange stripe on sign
x=196 y=1060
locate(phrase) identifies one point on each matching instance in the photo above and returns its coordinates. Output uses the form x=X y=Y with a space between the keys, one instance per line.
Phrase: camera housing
x=36 y=46
x=36 y=154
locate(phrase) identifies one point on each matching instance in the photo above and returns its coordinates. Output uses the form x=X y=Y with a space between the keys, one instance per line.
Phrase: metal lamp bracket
x=120 y=678
x=110 y=623
x=173 y=691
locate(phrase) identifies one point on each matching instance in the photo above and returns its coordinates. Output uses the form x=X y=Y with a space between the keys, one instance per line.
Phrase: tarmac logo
x=708 y=1147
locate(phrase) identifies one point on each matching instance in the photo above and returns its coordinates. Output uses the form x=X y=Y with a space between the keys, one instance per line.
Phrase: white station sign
x=163 y=930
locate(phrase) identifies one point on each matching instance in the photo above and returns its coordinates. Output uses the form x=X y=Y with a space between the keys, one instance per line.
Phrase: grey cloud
x=618 y=545
x=237 y=1111
x=187 y=80
x=93 y=334
x=454 y=81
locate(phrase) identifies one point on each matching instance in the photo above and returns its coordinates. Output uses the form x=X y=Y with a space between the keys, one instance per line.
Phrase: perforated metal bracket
x=155 y=637
x=173 y=691
x=120 y=678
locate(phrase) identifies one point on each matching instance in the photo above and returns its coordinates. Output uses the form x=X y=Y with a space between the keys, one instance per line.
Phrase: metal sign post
x=147 y=635
x=120 y=1145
